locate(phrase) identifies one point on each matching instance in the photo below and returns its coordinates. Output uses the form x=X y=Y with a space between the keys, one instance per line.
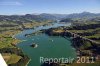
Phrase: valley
x=18 y=32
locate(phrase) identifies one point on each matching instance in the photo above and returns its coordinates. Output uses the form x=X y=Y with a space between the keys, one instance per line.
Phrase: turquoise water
x=48 y=47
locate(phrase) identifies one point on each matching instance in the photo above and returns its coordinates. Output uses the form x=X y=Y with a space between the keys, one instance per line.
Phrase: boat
x=51 y=40
x=24 y=40
x=34 y=45
x=32 y=39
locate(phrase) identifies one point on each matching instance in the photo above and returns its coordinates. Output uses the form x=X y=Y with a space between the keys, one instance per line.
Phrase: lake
x=48 y=46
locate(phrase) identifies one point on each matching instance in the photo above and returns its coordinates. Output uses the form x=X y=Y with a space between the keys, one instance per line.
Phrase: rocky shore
x=84 y=47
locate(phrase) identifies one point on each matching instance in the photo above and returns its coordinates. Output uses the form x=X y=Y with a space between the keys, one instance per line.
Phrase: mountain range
x=46 y=16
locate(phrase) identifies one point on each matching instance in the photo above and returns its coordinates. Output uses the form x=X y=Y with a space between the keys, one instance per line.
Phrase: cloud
x=11 y=3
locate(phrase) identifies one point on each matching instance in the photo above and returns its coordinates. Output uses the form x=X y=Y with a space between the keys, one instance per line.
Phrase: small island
x=34 y=45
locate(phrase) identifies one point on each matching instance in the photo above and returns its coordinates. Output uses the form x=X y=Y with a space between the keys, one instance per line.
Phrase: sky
x=9 y=7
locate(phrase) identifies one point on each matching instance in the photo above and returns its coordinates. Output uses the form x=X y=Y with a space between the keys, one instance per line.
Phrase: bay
x=48 y=46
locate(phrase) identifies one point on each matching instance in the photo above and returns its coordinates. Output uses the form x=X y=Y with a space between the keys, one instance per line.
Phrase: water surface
x=48 y=46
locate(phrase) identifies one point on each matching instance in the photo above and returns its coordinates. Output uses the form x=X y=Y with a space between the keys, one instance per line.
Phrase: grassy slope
x=11 y=58
x=6 y=39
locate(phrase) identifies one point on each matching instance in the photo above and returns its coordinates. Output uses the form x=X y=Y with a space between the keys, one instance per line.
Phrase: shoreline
x=28 y=62
x=18 y=43
x=76 y=42
x=21 y=49
x=13 y=36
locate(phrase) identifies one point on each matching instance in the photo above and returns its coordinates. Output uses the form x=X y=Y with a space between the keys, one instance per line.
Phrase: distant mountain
x=86 y=15
x=53 y=16
x=59 y=16
x=23 y=18
x=83 y=15
x=48 y=16
x=31 y=17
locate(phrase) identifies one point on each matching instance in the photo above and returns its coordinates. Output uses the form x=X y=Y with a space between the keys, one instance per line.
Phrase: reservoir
x=48 y=46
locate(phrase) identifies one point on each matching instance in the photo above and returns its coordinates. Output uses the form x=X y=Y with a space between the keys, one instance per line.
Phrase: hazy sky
x=48 y=6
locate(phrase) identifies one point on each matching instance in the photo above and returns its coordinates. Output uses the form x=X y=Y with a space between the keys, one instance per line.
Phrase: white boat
x=34 y=45
x=51 y=40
